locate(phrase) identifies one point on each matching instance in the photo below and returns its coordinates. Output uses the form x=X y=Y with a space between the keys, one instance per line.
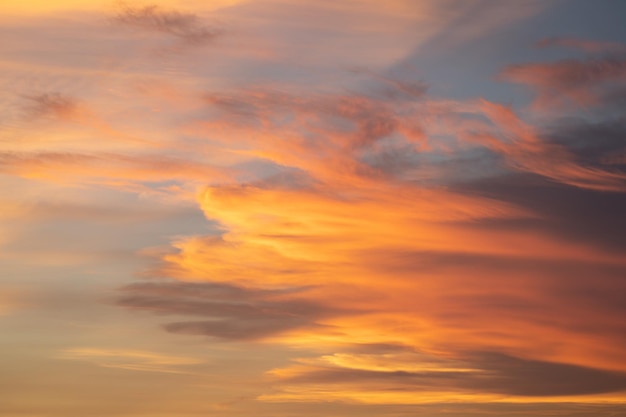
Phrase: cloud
x=390 y=258
x=426 y=378
x=234 y=313
x=537 y=378
x=574 y=213
x=133 y=360
x=525 y=150
x=187 y=27
x=607 y=146
x=370 y=217
x=408 y=275
x=55 y=105
x=582 y=44
x=105 y=168
x=578 y=82
x=60 y=117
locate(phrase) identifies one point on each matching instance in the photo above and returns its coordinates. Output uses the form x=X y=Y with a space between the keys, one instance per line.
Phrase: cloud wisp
x=132 y=360
x=187 y=27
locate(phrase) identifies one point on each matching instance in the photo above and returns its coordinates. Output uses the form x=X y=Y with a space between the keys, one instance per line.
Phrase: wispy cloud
x=570 y=82
x=187 y=27
x=525 y=150
x=395 y=241
x=132 y=360
x=582 y=44
x=105 y=168
x=55 y=105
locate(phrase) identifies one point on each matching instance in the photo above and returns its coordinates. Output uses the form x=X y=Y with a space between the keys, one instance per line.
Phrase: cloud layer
x=394 y=244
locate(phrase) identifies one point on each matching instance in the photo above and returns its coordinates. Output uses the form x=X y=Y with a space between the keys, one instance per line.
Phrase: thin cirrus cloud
x=526 y=152
x=70 y=167
x=132 y=360
x=573 y=81
x=54 y=108
x=187 y=27
x=583 y=44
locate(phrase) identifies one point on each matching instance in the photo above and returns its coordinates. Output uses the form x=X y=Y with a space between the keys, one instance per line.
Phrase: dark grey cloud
x=572 y=213
x=229 y=312
x=595 y=139
x=187 y=27
x=595 y=143
x=522 y=377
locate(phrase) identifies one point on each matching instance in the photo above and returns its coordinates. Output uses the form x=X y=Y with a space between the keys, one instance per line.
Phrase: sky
x=337 y=208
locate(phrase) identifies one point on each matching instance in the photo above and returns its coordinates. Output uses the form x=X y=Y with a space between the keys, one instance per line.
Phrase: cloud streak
x=132 y=360
x=234 y=313
x=570 y=82
x=488 y=375
x=187 y=27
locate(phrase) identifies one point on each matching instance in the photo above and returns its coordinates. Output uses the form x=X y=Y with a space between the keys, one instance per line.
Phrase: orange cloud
x=348 y=222
x=525 y=150
x=578 y=82
x=461 y=296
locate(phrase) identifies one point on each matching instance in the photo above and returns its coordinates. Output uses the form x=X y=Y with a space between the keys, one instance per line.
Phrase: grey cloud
x=588 y=216
x=595 y=143
x=238 y=329
x=515 y=376
x=232 y=312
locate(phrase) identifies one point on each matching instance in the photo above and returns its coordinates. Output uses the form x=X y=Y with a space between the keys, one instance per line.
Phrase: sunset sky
x=298 y=208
